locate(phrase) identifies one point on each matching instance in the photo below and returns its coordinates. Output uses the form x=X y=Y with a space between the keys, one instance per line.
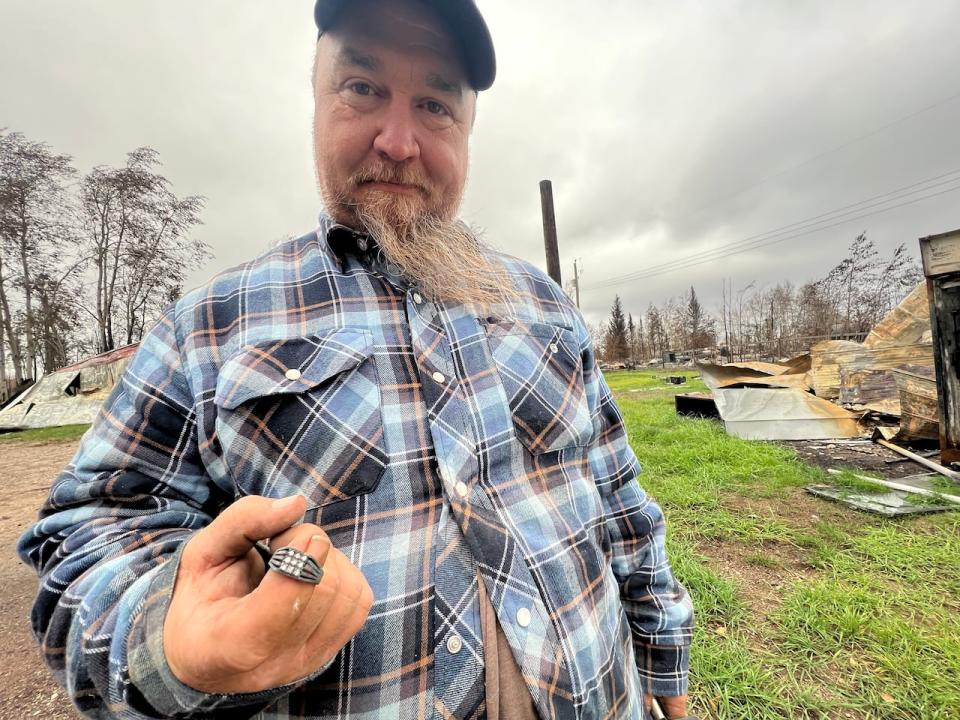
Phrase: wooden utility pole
x=576 y=282
x=941 y=265
x=550 y=231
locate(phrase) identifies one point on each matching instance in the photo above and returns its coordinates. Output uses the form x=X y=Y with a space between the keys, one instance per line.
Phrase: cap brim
x=464 y=21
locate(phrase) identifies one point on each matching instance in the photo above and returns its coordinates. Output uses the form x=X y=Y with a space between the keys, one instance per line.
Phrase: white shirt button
x=523 y=617
x=462 y=489
x=417 y=298
x=293 y=374
x=439 y=377
x=554 y=348
x=454 y=644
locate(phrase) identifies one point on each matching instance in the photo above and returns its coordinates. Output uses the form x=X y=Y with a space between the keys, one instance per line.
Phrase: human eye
x=361 y=88
x=435 y=108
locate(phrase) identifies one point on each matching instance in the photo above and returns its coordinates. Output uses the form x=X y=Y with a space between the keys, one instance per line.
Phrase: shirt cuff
x=664 y=669
x=160 y=688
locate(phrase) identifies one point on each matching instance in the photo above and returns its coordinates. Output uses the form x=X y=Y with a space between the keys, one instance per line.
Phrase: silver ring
x=296 y=564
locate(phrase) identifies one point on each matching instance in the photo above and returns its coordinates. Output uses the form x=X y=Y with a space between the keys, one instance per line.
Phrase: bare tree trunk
x=3 y=369
x=15 y=353
x=28 y=304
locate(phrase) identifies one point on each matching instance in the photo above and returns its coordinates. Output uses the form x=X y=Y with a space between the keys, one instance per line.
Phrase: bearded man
x=375 y=472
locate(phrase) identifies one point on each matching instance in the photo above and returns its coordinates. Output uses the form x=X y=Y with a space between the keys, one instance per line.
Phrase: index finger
x=237 y=529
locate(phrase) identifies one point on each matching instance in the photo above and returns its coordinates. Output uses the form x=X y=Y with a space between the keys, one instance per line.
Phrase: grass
x=805 y=609
x=54 y=434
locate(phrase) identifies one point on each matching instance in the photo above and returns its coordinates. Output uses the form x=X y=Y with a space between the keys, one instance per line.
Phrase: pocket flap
x=291 y=365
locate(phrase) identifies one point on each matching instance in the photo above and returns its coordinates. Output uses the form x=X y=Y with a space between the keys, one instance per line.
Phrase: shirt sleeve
x=658 y=607
x=107 y=542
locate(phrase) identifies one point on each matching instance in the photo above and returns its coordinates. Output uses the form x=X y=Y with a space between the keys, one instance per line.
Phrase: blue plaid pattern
x=438 y=445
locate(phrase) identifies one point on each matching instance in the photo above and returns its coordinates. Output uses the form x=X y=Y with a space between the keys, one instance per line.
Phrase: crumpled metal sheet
x=906 y=324
x=737 y=375
x=767 y=368
x=832 y=358
x=783 y=414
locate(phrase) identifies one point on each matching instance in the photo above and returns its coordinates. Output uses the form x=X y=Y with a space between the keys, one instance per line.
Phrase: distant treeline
x=759 y=321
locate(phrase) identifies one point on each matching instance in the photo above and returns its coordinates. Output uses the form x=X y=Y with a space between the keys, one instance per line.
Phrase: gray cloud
x=669 y=128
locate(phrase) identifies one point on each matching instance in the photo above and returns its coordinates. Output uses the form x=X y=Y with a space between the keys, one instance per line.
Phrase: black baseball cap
x=461 y=18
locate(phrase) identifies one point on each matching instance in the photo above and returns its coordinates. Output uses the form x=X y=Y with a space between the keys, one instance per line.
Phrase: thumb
x=250 y=519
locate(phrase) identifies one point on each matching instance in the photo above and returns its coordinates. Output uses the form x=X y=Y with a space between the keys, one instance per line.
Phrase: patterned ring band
x=296 y=564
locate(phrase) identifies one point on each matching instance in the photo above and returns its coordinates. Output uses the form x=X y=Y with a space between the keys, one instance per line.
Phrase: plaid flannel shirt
x=433 y=443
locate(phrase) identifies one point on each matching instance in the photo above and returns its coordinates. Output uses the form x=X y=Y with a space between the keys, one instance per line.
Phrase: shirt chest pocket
x=542 y=374
x=303 y=415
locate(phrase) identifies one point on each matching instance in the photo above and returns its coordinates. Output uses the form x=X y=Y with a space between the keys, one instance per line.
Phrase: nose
x=397 y=139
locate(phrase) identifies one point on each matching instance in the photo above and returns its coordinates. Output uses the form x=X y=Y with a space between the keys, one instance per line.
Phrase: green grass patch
x=52 y=434
x=866 y=632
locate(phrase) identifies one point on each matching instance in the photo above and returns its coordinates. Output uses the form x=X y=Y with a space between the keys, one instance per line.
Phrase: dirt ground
x=860 y=454
x=27 y=690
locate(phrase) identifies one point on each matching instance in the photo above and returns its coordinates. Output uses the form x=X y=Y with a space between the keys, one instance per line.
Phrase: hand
x=233 y=627
x=673 y=707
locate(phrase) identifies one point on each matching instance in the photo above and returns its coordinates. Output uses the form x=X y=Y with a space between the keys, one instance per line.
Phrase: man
x=386 y=399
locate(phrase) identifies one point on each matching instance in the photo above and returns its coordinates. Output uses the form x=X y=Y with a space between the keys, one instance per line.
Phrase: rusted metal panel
x=830 y=358
x=870 y=389
x=727 y=376
x=783 y=414
x=798 y=365
x=919 y=415
x=906 y=324
x=764 y=367
x=902 y=337
x=108 y=358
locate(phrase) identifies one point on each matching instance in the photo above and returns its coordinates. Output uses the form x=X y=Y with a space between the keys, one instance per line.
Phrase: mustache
x=395 y=174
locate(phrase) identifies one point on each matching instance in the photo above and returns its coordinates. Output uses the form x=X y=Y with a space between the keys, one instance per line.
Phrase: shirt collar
x=345 y=242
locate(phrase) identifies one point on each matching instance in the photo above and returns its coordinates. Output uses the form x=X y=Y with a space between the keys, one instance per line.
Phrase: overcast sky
x=669 y=128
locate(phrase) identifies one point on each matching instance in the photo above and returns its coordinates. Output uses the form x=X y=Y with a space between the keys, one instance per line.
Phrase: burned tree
x=34 y=210
x=137 y=232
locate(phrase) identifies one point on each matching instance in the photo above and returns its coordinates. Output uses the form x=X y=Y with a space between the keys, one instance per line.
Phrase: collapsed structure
x=837 y=390
x=70 y=396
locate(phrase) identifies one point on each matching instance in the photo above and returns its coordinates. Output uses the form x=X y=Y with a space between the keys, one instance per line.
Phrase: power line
x=771 y=237
x=775 y=241
x=824 y=153
x=891 y=196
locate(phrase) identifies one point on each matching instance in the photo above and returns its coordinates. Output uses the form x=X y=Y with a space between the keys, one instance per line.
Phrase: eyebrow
x=351 y=57
x=445 y=86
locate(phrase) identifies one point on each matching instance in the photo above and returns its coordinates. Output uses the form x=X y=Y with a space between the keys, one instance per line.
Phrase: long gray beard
x=445 y=260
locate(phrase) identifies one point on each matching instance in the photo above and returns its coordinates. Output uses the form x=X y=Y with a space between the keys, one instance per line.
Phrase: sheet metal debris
x=72 y=395
x=870 y=390
x=886 y=378
x=783 y=414
x=903 y=337
x=736 y=375
x=919 y=415
x=889 y=504
x=906 y=324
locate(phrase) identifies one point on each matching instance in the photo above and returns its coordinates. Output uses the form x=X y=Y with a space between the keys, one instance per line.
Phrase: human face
x=393 y=112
